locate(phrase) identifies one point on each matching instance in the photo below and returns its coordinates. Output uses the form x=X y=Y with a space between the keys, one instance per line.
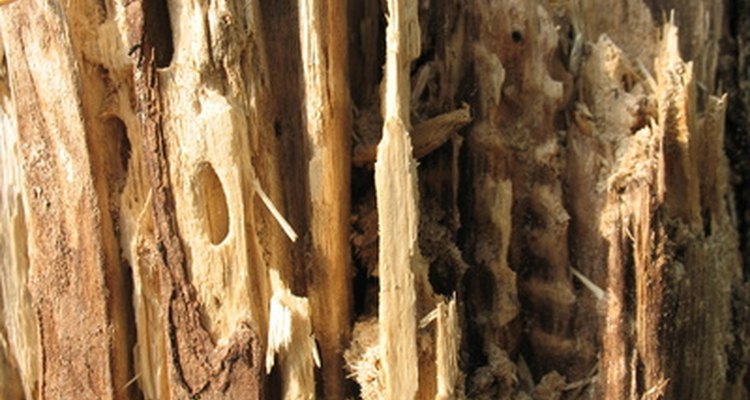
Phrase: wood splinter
x=426 y=136
x=285 y=225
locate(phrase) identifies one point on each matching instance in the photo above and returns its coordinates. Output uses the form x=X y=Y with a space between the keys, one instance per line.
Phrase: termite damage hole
x=122 y=151
x=517 y=36
x=211 y=202
x=117 y=152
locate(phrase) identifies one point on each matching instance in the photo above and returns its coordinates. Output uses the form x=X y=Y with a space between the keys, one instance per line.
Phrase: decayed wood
x=190 y=344
x=407 y=361
x=215 y=325
x=617 y=226
x=291 y=337
x=18 y=335
x=734 y=58
x=399 y=258
x=426 y=136
x=447 y=344
x=71 y=266
x=700 y=229
x=572 y=236
x=519 y=221
x=323 y=38
x=650 y=170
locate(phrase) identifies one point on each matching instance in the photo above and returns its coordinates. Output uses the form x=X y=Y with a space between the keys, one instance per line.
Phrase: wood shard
x=596 y=290
x=426 y=136
x=286 y=226
x=449 y=376
x=364 y=359
x=291 y=340
x=398 y=214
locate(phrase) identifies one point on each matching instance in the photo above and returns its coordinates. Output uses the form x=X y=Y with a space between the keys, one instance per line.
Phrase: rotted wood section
x=393 y=199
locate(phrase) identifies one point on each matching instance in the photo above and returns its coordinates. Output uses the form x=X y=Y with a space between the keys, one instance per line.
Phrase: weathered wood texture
x=486 y=199
x=74 y=278
x=323 y=37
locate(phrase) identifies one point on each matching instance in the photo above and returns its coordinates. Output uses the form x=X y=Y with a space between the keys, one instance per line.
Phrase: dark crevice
x=366 y=50
x=120 y=155
x=733 y=73
x=477 y=300
x=427 y=56
x=629 y=281
x=118 y=151
x=277 y=130
x=517 y=37
x=158 y=28
x=359 y=286
x=132 y=391
x=443 y=275
x=283 y=54
x=706 y=218
x=736 y=47
x=364 y=242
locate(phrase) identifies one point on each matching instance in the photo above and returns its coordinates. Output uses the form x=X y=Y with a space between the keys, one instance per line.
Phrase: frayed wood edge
x=275 y=212
x=656 y=391
x=449 y=378
x=291 y=341
x=363 y=359
x=448 y=339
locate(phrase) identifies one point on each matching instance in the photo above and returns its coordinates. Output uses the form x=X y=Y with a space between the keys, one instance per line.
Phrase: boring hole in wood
x=211 y=202
x=117 y=156
x=517 y=36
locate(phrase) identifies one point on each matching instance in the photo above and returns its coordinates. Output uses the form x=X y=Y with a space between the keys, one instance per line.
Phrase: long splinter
x=275 y=212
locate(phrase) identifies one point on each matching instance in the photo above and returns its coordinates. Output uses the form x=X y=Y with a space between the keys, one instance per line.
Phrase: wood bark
x=485 y=199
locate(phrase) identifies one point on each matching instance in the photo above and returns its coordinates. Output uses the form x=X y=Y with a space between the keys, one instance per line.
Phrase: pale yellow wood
x=398 y=215
x=291 y=340
x=19 y=335
x=448 y=342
